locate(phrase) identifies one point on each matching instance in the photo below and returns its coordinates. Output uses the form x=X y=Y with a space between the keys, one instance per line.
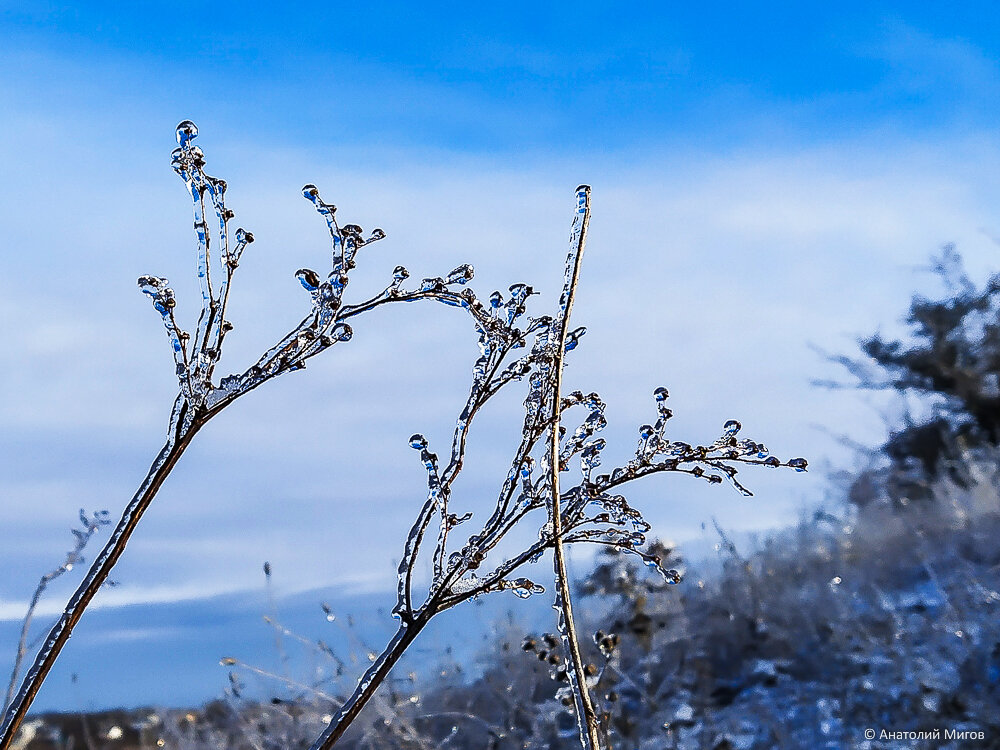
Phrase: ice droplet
x=731 y=427
x=523 y=588
x=187 y=131
x=520 y=292
x=799 y=464
x=308 y=278
x=573 y=338
x=151 y=284
x=418 y=442
x=343 y=332
x=461 y=274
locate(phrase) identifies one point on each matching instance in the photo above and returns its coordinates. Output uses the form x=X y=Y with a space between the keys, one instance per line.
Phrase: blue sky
x=764 y=180
x=513 y=78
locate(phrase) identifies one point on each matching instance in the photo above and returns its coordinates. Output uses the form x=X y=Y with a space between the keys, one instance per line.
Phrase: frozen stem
x=586 y=716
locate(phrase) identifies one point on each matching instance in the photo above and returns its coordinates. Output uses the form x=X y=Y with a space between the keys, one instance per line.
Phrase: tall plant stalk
x=369 y=683
x=586 y=715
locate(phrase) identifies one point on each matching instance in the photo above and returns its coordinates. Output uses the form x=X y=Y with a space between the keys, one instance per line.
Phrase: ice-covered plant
x=532 y=494
x=89 y=525
x=590 y=511
x=196 y=356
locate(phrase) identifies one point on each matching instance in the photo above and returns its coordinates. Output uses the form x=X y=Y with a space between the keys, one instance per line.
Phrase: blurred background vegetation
x=879 y=609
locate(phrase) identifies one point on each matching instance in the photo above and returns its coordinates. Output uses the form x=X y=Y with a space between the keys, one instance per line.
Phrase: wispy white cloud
x=120 y=596
x=708 y=273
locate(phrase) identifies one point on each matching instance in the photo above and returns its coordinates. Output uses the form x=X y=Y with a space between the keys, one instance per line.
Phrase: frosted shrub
x=513 y=348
